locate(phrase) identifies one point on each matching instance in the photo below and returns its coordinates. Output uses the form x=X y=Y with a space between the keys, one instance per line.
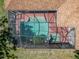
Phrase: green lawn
x=45 y=53
x=2 y=8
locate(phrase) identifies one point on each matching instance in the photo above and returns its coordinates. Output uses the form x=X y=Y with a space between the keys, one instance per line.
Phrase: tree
x=77 y=54
x=5 y=40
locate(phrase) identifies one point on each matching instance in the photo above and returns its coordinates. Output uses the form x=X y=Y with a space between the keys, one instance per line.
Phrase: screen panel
x=38 y=29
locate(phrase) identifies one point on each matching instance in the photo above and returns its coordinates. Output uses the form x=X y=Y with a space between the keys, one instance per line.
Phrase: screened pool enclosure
x=38 y=29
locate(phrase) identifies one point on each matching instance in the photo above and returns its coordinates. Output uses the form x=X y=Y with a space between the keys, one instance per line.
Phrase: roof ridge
x=6 y=3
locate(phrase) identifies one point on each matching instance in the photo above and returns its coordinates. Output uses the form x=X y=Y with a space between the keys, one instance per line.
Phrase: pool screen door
x=38 y=29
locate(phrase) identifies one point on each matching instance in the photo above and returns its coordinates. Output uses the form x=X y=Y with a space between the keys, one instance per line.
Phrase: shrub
x=6 y=48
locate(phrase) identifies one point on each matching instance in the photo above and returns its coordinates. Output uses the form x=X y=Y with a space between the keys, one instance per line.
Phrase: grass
x=45 y=53
x=2 y=8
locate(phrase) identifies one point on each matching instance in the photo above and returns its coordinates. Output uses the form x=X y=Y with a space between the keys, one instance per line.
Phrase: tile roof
x=33 y=4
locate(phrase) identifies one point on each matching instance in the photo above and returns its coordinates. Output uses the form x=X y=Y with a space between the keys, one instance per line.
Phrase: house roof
x=6 y=2
x=33 y=4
